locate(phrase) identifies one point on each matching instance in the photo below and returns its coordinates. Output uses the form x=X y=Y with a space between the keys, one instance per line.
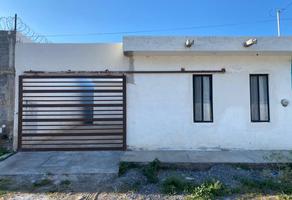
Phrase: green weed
x=208 y=190
x=125 y=166
x=43 y=182
x=151 y=171
x=174 y=185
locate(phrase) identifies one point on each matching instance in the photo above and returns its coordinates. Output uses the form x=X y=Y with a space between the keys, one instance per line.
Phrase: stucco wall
x=160 y=107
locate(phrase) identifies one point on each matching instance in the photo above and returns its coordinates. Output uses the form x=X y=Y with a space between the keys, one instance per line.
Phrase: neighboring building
x=212 y=94
x=7 y=75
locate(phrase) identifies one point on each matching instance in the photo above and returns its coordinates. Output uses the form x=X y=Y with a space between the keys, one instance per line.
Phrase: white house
x=179 y=93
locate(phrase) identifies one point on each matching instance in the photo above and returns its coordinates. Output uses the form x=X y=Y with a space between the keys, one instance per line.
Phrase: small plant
x=3 y=151
x=207 y=190
x=174 y=185
x=286 y=174
x=43 y=182
x=125 y=166
x=151 y=171
x=265 y=186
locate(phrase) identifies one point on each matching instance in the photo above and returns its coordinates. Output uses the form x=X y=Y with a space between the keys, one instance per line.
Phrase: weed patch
x=3 y=151
x=266 y=186
x=151 y=171
x=174 y=185
x=125 y=166
x=207 y=190
x=43 y=182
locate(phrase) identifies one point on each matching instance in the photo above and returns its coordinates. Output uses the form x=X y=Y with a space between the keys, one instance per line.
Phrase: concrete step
x=209 y=157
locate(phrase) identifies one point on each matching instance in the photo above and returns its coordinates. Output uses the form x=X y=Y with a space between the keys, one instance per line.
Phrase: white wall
x=64 y=57
x=160 y=107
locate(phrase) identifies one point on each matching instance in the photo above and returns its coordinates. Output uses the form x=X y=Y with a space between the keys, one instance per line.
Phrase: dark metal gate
x=69 y=112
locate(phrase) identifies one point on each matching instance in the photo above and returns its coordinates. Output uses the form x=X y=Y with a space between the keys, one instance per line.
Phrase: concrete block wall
x=7 y=81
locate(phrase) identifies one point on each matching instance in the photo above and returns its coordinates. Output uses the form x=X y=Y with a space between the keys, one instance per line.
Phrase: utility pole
x=278 y=22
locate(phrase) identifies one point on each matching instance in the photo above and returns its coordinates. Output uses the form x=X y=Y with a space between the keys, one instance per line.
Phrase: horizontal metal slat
x=93 y=125
x=69 y=96
x=53 y=81
x=56 y=76
x=76 y=86
x=74 y=140
x=72 y=120
x=72 y=105
x=70 y=134
x=114 y=137
x=43 y=115
x=99 y=110
x=71 y=91
x=26 y=149
x=70 y=142
x=78 y=100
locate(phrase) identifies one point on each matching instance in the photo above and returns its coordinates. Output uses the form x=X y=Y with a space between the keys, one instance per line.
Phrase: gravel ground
x=226 y=174
x=133 y=185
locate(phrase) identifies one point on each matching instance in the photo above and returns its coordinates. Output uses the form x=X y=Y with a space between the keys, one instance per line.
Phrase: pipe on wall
x=108 y=72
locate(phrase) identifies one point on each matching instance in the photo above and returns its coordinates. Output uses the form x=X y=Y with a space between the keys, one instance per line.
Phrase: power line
x=162 y=30
x=286 y=7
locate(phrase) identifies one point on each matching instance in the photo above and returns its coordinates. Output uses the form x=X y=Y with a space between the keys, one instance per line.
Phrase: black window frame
x=211 y=98
x=268 y=98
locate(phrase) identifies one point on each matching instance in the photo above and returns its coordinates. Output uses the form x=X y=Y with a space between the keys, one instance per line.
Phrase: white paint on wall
x=160 y=106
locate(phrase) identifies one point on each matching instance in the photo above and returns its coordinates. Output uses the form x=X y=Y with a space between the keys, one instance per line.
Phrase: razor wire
x=8 y=24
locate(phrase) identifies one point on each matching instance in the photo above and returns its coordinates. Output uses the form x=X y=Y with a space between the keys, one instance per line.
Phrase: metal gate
x=69 y=112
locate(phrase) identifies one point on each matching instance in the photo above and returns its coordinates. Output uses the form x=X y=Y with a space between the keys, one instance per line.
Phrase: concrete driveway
x=84 y=162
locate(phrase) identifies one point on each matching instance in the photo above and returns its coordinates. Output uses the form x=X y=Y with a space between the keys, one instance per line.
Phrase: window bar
x=202 y=98
x=258 y=95
x=211 y=97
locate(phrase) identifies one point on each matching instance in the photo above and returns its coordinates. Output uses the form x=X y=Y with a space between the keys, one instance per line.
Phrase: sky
x=85 y=21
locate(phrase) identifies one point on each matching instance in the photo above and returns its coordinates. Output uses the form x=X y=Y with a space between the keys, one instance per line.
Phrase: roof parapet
x=176 y=45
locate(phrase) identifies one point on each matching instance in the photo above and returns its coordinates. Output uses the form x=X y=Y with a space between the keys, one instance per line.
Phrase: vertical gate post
x=20 y=101
x=125 y=112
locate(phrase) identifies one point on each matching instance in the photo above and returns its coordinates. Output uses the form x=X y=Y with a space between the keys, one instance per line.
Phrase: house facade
x=182 y=93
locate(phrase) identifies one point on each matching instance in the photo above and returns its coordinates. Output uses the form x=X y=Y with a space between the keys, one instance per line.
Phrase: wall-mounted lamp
x=189 y=43
x=250 y=42
x=284 y=102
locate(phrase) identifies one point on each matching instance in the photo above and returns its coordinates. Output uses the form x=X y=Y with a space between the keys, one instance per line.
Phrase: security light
x=250 y=42
x=189 y=43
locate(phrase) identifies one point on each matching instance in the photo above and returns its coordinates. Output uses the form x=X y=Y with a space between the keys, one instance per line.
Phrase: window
x=259 y=98
x=202 y=91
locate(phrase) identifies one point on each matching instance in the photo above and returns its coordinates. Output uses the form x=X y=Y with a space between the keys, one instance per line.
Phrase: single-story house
x=155 y=93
